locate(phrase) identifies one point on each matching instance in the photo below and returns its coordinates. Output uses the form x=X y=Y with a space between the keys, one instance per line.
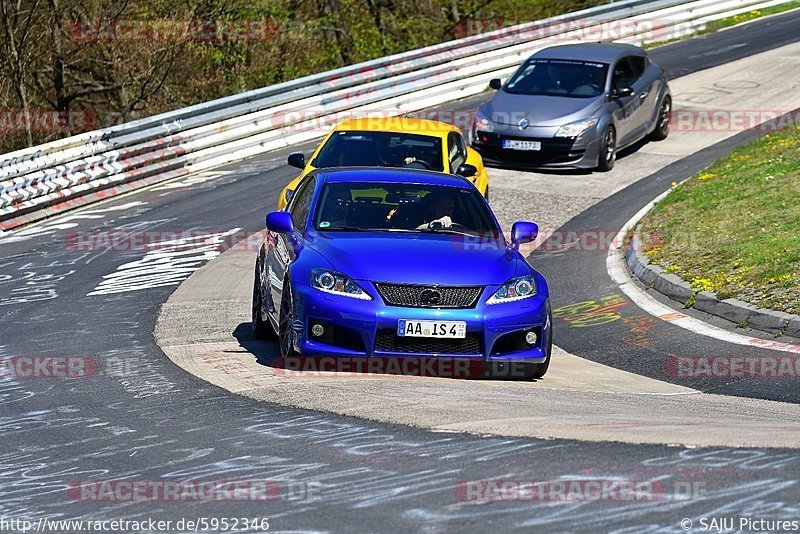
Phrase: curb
x=736 y=311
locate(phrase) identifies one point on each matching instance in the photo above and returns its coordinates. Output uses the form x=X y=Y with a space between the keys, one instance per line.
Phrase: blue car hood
x=417 y=258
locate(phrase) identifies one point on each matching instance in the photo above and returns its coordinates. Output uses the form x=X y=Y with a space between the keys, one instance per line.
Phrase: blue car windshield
x=559 y=77
x=351 y=206
x=381 y=149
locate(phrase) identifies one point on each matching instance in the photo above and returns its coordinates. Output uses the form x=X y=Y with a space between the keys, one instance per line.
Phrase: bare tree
x=18 y=24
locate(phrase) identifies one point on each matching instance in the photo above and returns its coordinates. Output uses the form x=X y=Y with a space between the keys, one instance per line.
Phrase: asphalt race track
x=137 y=416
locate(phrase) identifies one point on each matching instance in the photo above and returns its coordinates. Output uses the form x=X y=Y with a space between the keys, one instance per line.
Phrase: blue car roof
x=600 y=52
x=391 y=175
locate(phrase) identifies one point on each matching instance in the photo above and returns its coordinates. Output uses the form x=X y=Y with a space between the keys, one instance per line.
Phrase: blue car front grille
x=419 y=296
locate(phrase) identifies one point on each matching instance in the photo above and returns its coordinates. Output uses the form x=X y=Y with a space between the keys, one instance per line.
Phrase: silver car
x=574 y=106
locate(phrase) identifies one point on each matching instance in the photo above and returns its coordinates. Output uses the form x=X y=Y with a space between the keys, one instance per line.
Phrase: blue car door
x=284 y=247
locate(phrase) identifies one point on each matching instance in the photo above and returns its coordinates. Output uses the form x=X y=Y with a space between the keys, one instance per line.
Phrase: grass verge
x=735 y=227
x=715 y=25
x=727 y=22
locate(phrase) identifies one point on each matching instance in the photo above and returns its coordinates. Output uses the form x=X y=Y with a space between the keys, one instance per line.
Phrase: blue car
x=393 y=263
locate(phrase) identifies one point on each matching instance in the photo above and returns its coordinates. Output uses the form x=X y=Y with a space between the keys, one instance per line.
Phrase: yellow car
x=392 y=142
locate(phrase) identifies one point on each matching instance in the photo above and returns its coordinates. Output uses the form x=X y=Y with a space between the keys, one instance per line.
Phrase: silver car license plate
x=516 y=144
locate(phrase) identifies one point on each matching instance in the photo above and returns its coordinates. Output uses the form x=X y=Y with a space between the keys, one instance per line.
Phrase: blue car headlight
x=519 y=288
x=574 y=129
x=336 y=283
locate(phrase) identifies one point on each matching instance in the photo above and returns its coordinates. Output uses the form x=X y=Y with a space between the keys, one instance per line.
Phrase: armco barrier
x=38 y=181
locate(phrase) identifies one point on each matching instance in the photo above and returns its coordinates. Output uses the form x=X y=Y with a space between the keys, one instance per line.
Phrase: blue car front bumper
x=364 y=328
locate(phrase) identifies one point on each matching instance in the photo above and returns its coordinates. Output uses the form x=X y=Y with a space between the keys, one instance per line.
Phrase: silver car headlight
x=482 y=122
x=337 y=283
x=574 y=129
x=519 y=288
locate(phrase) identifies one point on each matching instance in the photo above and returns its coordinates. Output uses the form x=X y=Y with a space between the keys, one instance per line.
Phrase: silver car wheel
x=611 y=145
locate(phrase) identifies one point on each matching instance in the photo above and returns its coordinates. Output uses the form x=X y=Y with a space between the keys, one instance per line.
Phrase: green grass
x=719 y=24
x=735 y=227
x=715 y=25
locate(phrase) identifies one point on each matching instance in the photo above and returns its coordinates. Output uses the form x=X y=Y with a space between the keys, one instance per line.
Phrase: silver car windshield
x=559 y=77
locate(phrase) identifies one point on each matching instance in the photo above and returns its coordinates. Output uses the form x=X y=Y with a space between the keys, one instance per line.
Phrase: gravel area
x=547 y=210
x=550 y=200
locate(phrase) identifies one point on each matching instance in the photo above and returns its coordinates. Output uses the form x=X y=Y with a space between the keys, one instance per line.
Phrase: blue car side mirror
x=280 y=222
x=523 y=232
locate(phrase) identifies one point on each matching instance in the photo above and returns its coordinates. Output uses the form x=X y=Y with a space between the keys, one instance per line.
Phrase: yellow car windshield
x=381 y=149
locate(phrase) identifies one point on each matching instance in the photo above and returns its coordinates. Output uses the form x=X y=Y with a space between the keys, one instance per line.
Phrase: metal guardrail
x=36 y=181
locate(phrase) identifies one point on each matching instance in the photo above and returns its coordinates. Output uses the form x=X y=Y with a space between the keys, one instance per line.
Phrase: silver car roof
x=600 y=52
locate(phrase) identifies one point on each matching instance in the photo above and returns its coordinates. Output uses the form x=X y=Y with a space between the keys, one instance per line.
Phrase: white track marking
x=169 y=264
x=618 y=270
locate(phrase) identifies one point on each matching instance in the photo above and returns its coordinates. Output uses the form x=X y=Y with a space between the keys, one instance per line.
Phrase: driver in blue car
x=439 y=211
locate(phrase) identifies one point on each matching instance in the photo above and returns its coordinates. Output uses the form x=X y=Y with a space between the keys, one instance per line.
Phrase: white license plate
x=440 y=329
x=515 y=144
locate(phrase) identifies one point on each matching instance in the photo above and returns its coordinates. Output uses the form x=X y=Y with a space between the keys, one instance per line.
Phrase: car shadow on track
x=267 y=354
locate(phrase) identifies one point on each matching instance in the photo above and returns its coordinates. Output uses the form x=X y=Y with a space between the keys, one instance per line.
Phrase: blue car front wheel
x=286 y=322
x=261 y=329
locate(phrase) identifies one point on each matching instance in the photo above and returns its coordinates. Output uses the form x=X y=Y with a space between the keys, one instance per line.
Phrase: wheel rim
x=610 y=148
x=285 y=323
x=663 y=122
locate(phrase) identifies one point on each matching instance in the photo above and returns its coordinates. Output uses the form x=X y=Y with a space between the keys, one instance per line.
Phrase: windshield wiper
x=342 y=229
x=447 y=231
